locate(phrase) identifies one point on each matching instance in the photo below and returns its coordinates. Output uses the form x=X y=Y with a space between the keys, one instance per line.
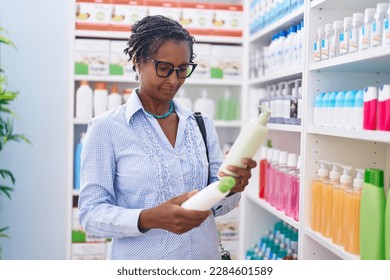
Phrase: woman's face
x=158 y=88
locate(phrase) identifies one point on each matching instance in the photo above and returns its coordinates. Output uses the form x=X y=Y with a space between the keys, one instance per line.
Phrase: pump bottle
x=247 y=142
x=210 y=195
x=316 y=195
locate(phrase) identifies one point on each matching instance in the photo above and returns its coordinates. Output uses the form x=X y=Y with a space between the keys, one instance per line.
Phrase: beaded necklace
x=164 y=115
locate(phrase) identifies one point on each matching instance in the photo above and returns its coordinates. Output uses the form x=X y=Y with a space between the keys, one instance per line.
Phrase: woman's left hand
x=244 y=174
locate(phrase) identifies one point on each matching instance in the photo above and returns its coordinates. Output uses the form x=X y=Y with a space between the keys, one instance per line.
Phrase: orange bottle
x=338 y=205
x=352 y=214
x=316 y=195
x=327 y=201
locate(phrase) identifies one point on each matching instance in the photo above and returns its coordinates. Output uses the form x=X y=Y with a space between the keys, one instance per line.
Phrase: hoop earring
x=136 y=77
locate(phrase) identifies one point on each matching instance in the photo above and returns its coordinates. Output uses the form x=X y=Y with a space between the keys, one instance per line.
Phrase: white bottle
x=100 y=99
x=365 y=31
x=280 y=48
x=289 y=48
x=344 y=37
x=327 y=41
x=386 y=27
x=358 y=112
x=338 y=26
x=114 y=98
x=247 y=142
x=205 y=105
x=183 y=99
x=338 y=116
x=378 y=24
x=354 y=37
x=210 y=195
x=348 y=109
x=318 y=43
x=84 y=100
x=126 y=94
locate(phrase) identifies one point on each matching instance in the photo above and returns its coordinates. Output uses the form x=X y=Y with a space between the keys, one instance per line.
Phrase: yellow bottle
x=316 y=195
x=327 y=201
x=352 y=214
x=338 y=205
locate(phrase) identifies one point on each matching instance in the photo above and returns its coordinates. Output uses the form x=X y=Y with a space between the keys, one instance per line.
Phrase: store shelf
x=366 y=135
x=251 y=193
x=284 y=127
x=342 y=5
x=125 y=36
x=289 y=74
x=285 y=22
x=327 y=243
x=372 y=60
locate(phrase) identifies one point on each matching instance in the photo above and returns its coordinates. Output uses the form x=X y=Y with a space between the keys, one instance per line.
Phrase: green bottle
x=372 y=216
x=387 y=226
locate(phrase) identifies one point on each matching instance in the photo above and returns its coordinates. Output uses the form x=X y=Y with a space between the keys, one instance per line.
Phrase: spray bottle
x=210 y=195
x=316 y=194
x=247 y=142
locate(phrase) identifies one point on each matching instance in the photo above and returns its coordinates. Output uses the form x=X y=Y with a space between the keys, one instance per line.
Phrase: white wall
x=40 y=70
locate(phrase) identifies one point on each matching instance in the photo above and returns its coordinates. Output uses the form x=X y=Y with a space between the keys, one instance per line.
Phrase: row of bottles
x=281 y=243
x=279 y=180
x=354 y=109
x=93 y=102
x=353 y=34
x=351 y=212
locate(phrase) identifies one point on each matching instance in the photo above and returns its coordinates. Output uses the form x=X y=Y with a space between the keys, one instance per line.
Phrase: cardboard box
x=126 y=12
x=91 y=57
x=196 y=17
x=203 y=58
x=169 y=9
x=227 y=20
x=119 y=64
x=226 y=62
x=93 y=14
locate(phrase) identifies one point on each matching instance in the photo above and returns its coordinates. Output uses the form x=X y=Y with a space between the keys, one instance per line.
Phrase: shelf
x=327 y=243
x=284 y=127
x=283 y=23
x=372 y=60
x=251 y=193
x=343 y=5
x=279 y=76
x=366 y=135
x=125 y=36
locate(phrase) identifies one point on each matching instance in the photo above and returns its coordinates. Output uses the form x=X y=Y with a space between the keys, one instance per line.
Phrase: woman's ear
x=134 y=64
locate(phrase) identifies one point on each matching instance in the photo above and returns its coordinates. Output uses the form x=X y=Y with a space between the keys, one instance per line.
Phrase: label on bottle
x=353 y=41
x=317 y=52
x=294 y=109
x=387 y=32
x=365 y=38
x=375 y=35
x=344 y=39
x=325 y=49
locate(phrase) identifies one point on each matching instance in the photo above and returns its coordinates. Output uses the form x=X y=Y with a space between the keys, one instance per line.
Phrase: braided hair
x=149 y=33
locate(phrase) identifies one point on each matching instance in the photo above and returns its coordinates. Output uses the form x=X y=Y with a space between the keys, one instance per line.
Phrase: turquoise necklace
x=162 y=116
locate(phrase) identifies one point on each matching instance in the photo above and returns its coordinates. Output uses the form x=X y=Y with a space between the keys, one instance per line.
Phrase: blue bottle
x=318 y=109
x=348 y=110
x=358 y=110
x=77 y=162
x=338 y=111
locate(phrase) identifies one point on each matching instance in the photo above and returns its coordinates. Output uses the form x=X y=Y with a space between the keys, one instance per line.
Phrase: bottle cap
x=346 y=178
x=292 y=160
x=100 y=85
x=357 y=17
x=270 y=154
x=374 y=177
x=263 y=152
x=265 y=115
x=335 y=174
x=114 y=88
x=275 y=156
x=338 y=24
x=84 y=83
x=323 y=171
x=369 y=12
x=347 y=21
x=283 y=158
x=299 y=162
x=382 y=7
x=321 y=30
x=328 y=27
x=226 y=183
x=358 y=181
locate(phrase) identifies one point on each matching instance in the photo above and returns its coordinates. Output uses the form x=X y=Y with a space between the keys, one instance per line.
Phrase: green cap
x=374 y=177
x=226 y=183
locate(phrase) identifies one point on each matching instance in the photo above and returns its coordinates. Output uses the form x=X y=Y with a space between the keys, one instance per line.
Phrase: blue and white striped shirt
x=128 y=164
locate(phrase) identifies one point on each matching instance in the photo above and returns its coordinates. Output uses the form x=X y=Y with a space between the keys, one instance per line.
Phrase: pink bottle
x=268 y=174
x=292 y=204
x=262 y=171
x=370 y=98
x=279 y=181
x=273 y=172
x=291 y=171
x=384 y=108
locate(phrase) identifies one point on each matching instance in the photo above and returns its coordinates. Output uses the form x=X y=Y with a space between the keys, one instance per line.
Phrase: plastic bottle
x=365 y=31
x=384 y=108
x=316 y=195
x=289 y=56
x=84 y=101
x=287 y=99
x=318 y=109
x=354 y=37
x=348 y=109
x=358 y=111
x=100 y=99
x=268 y=174
x=370 y=108
x=378 y=24
x=338 y=26
x=327 y=200
x=386 y=27
x=77 y=162
x=280 y=48
x=387 y=227
x=183 y=99
x=205 y=105
x=351 y=218
x=295 y=110
x=290 y=196
x=262 y=171
x=272 y=177
x=299 y=43
x=279 y=102
x=114 y=98
x=325 y=110
x=126 y=94
x=318 y=43
x=338 y=205
x=331 y=122
x=339 y=110
x=280 y=174
x=344 y=37
x=299 y=102
x=247 y=142
x=372 y=216
x=210 y=195
x=295 y=187
x=327 y=42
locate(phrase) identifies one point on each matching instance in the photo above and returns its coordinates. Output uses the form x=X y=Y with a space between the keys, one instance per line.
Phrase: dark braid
x=149 y=33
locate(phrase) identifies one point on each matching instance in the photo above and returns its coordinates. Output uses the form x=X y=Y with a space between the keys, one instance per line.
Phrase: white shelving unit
x=360 y=148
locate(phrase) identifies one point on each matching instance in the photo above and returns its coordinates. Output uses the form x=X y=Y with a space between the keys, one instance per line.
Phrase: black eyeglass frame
x=157 y=62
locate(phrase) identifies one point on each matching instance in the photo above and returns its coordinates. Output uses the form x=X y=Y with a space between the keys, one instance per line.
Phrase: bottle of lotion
x=100 y=99
x=384 y=108
x=114 y=98
x=84 y=100
x=370 y=108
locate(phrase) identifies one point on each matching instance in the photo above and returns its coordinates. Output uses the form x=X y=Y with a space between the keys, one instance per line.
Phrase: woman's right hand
x=171 y=216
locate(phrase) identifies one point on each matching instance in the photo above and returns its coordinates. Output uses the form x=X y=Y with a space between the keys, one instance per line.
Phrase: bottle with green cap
x=210 y=195
x=372 y=216
x=387 y=225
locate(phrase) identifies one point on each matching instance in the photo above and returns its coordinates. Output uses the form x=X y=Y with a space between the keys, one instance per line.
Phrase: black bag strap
x=199 y=120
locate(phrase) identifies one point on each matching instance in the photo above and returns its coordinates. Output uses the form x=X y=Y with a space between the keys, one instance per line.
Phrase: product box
x=226 y=62
x=91 y=57
x=196 y=17
x=89 y=251
x=93 y=14
x=119 y=64
x=203 y=58
x=227 y=20
x=228 y=229
x=126 y=12
x=169 y=9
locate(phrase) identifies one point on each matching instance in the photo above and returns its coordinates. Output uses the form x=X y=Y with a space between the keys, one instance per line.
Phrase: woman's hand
x=171 y=216
x=244 y=174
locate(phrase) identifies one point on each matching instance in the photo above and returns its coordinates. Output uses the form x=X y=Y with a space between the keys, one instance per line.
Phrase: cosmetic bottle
x=316 y=194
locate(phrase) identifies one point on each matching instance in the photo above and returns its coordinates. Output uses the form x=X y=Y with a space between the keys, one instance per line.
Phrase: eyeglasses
x=165 y=69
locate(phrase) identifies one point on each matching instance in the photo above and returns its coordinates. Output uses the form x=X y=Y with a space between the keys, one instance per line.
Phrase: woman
x=142 y=160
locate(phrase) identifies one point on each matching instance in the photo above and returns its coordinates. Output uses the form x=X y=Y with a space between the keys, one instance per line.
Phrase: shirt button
x=180 y=178
x=176 y=157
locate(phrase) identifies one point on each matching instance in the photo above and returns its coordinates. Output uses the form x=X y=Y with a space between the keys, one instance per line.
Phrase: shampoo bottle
x=205 y=104
x=290 y=195
x=384 y=108
x=348 y=109
x=263 y=171
x=84 y=101
x=247 y=142
x=268 y=174
x=114 y=98
x=370 y=108
x=318 y=109
x=372 y=216
x=100 y=99
x=316 y=195
x=358 y=110
x=210 y=195
x=77 y=162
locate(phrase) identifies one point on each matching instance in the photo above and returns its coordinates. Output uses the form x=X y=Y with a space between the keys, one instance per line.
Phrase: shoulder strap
x=199 y=120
